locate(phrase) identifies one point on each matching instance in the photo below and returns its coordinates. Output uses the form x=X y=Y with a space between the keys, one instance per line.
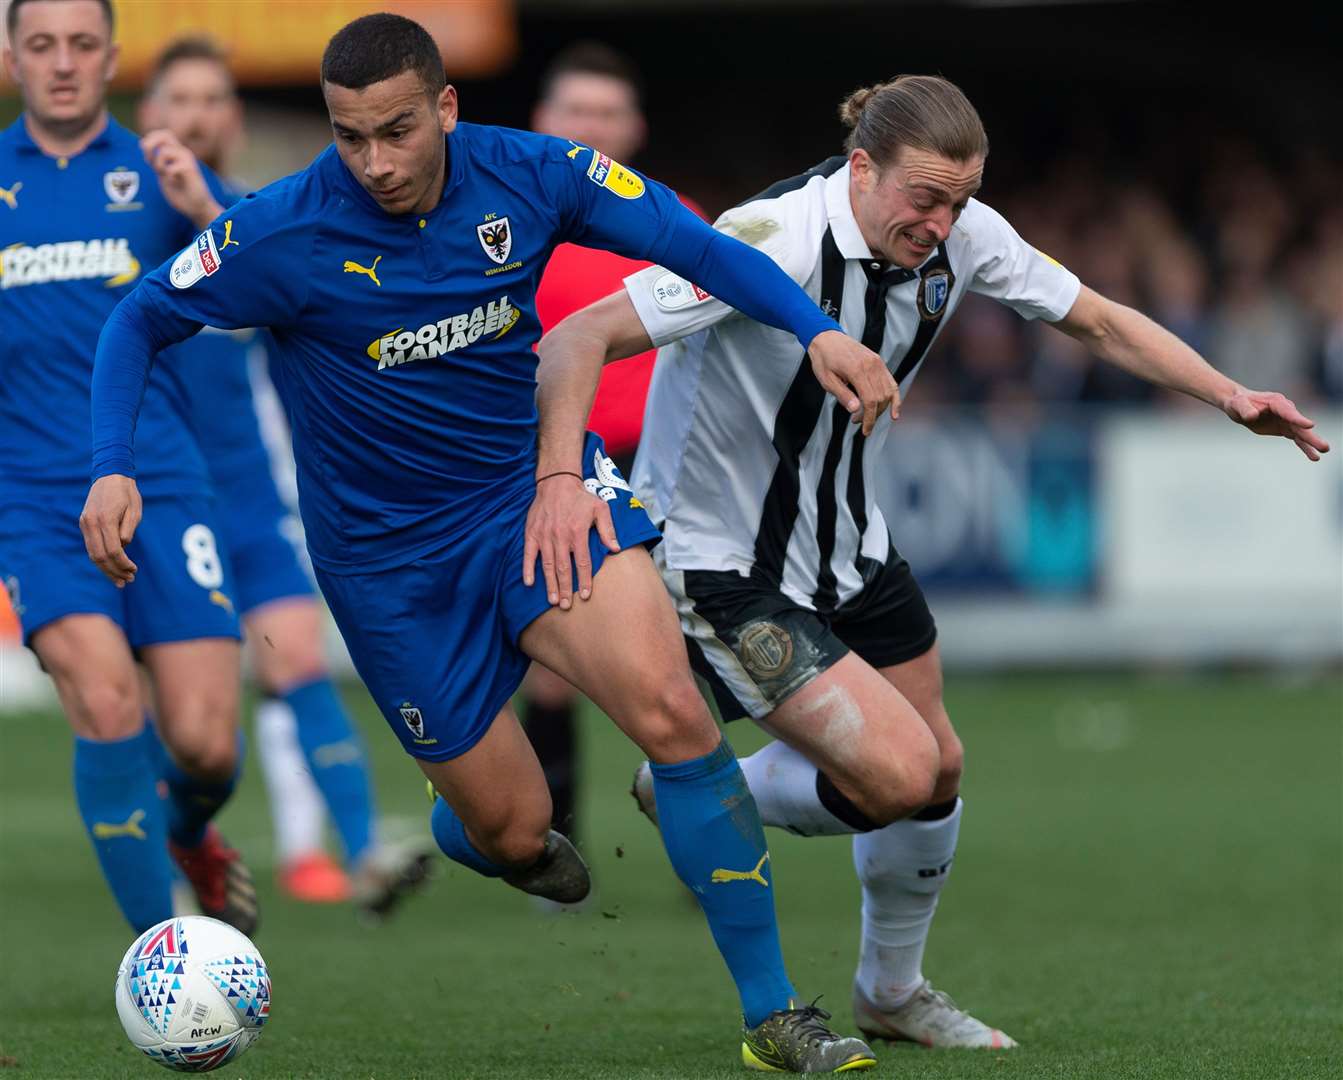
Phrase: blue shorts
x=436 y=641
x=261 y=537
x=183 y=589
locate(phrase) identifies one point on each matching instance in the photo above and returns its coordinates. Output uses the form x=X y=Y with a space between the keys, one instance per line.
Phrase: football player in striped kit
x=796 y=608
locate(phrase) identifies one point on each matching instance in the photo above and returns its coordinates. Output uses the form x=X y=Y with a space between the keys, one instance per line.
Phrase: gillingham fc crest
x=934 y=289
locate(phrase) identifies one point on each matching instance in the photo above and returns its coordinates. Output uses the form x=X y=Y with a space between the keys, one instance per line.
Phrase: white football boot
x=929 y=1017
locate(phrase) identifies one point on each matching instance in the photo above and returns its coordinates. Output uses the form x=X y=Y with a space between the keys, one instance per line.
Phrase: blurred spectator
x=1249 y=270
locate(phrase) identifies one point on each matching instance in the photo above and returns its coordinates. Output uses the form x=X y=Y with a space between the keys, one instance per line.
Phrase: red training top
x=574 y=278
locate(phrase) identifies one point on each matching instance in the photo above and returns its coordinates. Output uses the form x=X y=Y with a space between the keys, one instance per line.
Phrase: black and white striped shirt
x=745 y=461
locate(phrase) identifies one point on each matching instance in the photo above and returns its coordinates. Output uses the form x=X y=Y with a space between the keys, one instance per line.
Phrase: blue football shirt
x=405 y=342
x=75 y=234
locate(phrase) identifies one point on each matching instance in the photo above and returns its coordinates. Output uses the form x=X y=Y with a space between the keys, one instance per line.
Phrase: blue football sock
x=192 y=803
x=712 y=833
x=335 y=755
x=451 y=836
x=118 y=799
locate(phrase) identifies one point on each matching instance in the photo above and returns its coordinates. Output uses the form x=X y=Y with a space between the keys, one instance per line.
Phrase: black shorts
x=755 y=647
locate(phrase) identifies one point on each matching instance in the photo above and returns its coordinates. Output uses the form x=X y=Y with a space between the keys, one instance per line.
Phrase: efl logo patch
x=199 y=260
x=615 y=177
x=673 y=292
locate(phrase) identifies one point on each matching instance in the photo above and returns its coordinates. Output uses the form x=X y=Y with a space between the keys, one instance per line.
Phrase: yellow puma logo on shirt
x=722 y=877
x=130 y=827
x=228 y=236
x=352 y=267
x=220 y=600
x=9 y=196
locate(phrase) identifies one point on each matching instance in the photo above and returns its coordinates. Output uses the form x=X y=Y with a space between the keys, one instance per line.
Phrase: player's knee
x=951 y=763
x=107 y=711
x=517 y=842
x=291 y=665
x=905 y=784
x=210 y=756
x=674 y=724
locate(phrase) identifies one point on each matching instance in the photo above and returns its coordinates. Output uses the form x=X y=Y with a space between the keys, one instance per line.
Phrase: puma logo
x=352 y=267
x=722 y=877
x=228 y=236
x=9 y=196
x=130 y=827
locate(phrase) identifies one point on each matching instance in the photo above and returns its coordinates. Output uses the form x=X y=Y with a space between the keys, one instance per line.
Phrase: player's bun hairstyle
x=378 y=47
x=926 y=112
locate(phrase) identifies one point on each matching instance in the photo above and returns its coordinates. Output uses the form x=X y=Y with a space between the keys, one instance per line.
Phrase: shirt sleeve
x=1011 y=271
x=670 y=307
x=613 y=207
x=246 y=269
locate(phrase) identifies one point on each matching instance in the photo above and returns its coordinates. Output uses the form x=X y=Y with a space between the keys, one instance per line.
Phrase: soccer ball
x=193 y=993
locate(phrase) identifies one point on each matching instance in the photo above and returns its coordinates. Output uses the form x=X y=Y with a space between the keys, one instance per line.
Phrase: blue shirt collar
x=17 y=135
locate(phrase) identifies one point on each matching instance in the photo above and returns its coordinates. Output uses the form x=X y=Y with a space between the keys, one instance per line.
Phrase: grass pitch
x=1149 y=884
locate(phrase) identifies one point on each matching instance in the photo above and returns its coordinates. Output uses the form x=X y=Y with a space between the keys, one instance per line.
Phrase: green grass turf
x=1149 y=884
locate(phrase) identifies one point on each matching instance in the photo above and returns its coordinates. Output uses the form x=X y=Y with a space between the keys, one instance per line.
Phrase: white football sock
x=296 y=806
x=903 y=868
x=783 y=784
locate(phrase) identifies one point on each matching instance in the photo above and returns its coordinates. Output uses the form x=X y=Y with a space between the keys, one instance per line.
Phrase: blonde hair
x=926 y=112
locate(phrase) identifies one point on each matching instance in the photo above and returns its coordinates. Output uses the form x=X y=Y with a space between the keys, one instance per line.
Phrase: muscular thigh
x=623 y=649
x=851 y=723
x=91 y=664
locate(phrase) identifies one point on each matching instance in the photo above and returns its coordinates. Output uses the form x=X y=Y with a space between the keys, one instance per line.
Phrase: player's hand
x=855 y=375
x=180 y=177
x=562 y=514
x=111 y=515
x=1268 y=413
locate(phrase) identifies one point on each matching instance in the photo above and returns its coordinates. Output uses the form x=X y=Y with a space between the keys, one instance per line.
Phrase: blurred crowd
x=1240 y=256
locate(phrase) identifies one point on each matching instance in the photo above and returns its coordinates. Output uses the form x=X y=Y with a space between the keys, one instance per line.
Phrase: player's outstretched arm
x=645 y=220
x=754 y=284
x=1131 y=341
x=109 y=520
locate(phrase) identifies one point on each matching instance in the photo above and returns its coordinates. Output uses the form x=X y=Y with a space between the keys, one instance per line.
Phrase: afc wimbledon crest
x=496 y=238
x=411 y=715
x=934 y=288
x=121 y=185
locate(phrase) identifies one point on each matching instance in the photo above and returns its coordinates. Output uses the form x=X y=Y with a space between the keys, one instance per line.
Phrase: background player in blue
x=191 y=94
x=398 y=275
x=84 y=214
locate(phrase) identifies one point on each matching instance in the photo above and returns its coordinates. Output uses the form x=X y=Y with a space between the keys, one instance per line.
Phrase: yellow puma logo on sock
x=9 y=196
x=130 y=827
x=352 y=267
x=722 y=877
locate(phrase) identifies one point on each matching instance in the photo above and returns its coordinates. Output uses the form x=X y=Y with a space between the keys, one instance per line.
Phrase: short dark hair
x=374 y=48
x=591 y=58
x=12 y=15
x=190 y=47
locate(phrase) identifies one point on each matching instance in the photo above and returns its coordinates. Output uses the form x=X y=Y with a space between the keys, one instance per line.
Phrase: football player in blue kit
x=191 y=93
x=88 y=205
x=397 y=274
